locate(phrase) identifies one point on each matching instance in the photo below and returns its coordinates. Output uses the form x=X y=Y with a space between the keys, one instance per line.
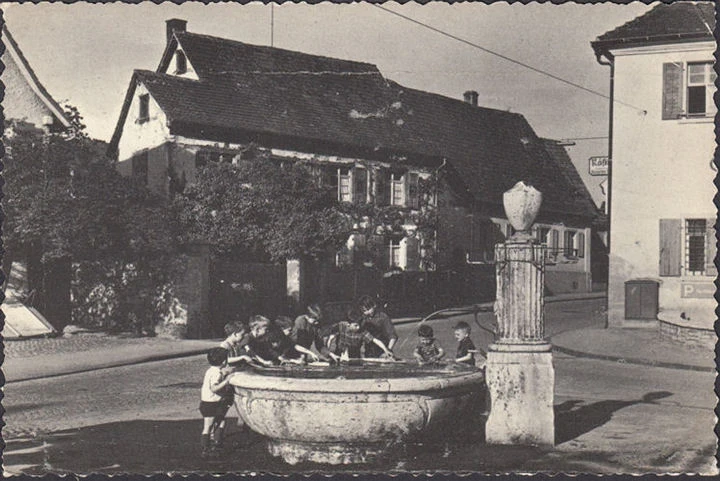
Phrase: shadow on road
x=574 y=418
x=147 y=447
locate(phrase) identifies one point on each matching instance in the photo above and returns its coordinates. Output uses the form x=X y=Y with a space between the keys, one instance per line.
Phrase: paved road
x=610 y=418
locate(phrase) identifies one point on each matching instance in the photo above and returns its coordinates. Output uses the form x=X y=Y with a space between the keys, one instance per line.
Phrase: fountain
x=351 y=413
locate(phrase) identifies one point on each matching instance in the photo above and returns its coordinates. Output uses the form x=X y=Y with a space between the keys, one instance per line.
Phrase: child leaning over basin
x=306 y=331
x=215 y=400
x=349 y=338
x=428 y=350
x=236 y=342
x=270 y=346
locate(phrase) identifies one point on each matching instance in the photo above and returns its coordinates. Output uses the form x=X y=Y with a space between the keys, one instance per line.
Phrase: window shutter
x=670 y=244
x=360 y=187
x=382 y=187
x=411 y=190
x=412 y=253
x=710 y=249
x=672 y=107
x=580 y=244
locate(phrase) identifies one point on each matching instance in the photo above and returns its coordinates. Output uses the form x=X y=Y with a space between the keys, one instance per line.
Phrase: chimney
x=471 y=97
x=174 y=25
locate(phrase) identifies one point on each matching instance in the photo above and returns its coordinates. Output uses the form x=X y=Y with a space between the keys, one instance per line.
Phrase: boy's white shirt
x=212 y=376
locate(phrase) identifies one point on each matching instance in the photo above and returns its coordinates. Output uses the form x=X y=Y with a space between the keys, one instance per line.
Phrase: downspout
x=611 y=63
x=608 y=206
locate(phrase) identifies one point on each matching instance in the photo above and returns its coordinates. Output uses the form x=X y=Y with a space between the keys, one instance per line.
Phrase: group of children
x=366 y=333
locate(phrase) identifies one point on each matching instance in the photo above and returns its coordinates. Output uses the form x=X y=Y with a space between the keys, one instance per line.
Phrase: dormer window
x=180 y=63
x=144 y=108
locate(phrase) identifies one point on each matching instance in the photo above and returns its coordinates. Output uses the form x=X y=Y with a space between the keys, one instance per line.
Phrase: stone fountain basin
x=351 y=414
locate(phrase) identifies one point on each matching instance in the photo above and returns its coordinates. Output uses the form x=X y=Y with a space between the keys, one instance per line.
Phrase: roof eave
x=603 y=46
x=117 y=133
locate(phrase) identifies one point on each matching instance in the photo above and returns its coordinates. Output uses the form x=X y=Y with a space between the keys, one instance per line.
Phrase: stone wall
x=691 y=336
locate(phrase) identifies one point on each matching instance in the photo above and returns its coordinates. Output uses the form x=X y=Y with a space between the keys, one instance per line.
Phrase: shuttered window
x=688 y=90
x=670 y=247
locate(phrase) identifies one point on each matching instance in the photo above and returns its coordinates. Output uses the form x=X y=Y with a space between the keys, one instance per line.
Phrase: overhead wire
x=509 y=59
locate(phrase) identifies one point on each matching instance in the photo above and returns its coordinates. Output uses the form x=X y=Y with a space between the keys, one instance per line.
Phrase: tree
x=64 y=195
x=263 y=207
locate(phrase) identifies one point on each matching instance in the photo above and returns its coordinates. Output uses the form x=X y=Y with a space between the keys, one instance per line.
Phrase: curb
x=632 y=360
x=110 y=365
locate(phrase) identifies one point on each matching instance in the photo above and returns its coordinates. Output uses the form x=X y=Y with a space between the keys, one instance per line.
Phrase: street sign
x=599 y=165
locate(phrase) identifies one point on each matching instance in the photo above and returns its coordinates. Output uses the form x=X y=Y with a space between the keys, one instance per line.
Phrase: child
x=214 y=402
x=285 y=324
x=427 y=350
x=270 y=346
x=466 y=348
x=378 y=324
x=306 y=331
x=236 y=342
x=350 y=337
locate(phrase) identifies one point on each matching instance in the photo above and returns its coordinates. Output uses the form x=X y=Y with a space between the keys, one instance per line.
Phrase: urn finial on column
x=522 y=204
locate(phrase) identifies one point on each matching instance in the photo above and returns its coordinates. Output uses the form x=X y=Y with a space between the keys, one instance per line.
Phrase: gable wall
x=20 y=101
x=138 y=136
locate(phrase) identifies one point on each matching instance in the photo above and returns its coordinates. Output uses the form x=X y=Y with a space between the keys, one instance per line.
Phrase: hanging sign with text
x=599 y=165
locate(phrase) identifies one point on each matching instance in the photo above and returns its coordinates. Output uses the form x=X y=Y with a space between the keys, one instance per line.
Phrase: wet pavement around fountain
x=610 y=417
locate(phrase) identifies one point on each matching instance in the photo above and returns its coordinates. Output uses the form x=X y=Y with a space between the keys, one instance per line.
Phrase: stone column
x=520 y=373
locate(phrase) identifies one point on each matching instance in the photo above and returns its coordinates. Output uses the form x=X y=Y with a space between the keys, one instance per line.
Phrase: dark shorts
x=216 y=409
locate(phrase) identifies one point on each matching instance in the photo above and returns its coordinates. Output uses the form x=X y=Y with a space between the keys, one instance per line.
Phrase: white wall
x=661 y=169
x=138 y=136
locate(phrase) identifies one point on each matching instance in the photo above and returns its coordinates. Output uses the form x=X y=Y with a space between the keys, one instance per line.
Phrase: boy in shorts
x=215 y=400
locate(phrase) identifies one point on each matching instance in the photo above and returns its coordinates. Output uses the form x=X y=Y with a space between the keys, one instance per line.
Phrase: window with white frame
x=700 y=88
x=395 y=253
x=695 y=232
x=344 y=185
x=397 y=189
x=569 y=243
x=688 y=90
x=580 y=244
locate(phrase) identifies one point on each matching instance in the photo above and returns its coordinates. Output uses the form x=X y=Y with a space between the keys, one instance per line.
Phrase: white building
x=661 y=182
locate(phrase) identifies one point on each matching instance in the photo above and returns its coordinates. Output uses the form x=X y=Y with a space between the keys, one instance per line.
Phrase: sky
x=85 y=54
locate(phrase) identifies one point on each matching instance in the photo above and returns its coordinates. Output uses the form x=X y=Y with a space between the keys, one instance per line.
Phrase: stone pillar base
x=520 y=382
